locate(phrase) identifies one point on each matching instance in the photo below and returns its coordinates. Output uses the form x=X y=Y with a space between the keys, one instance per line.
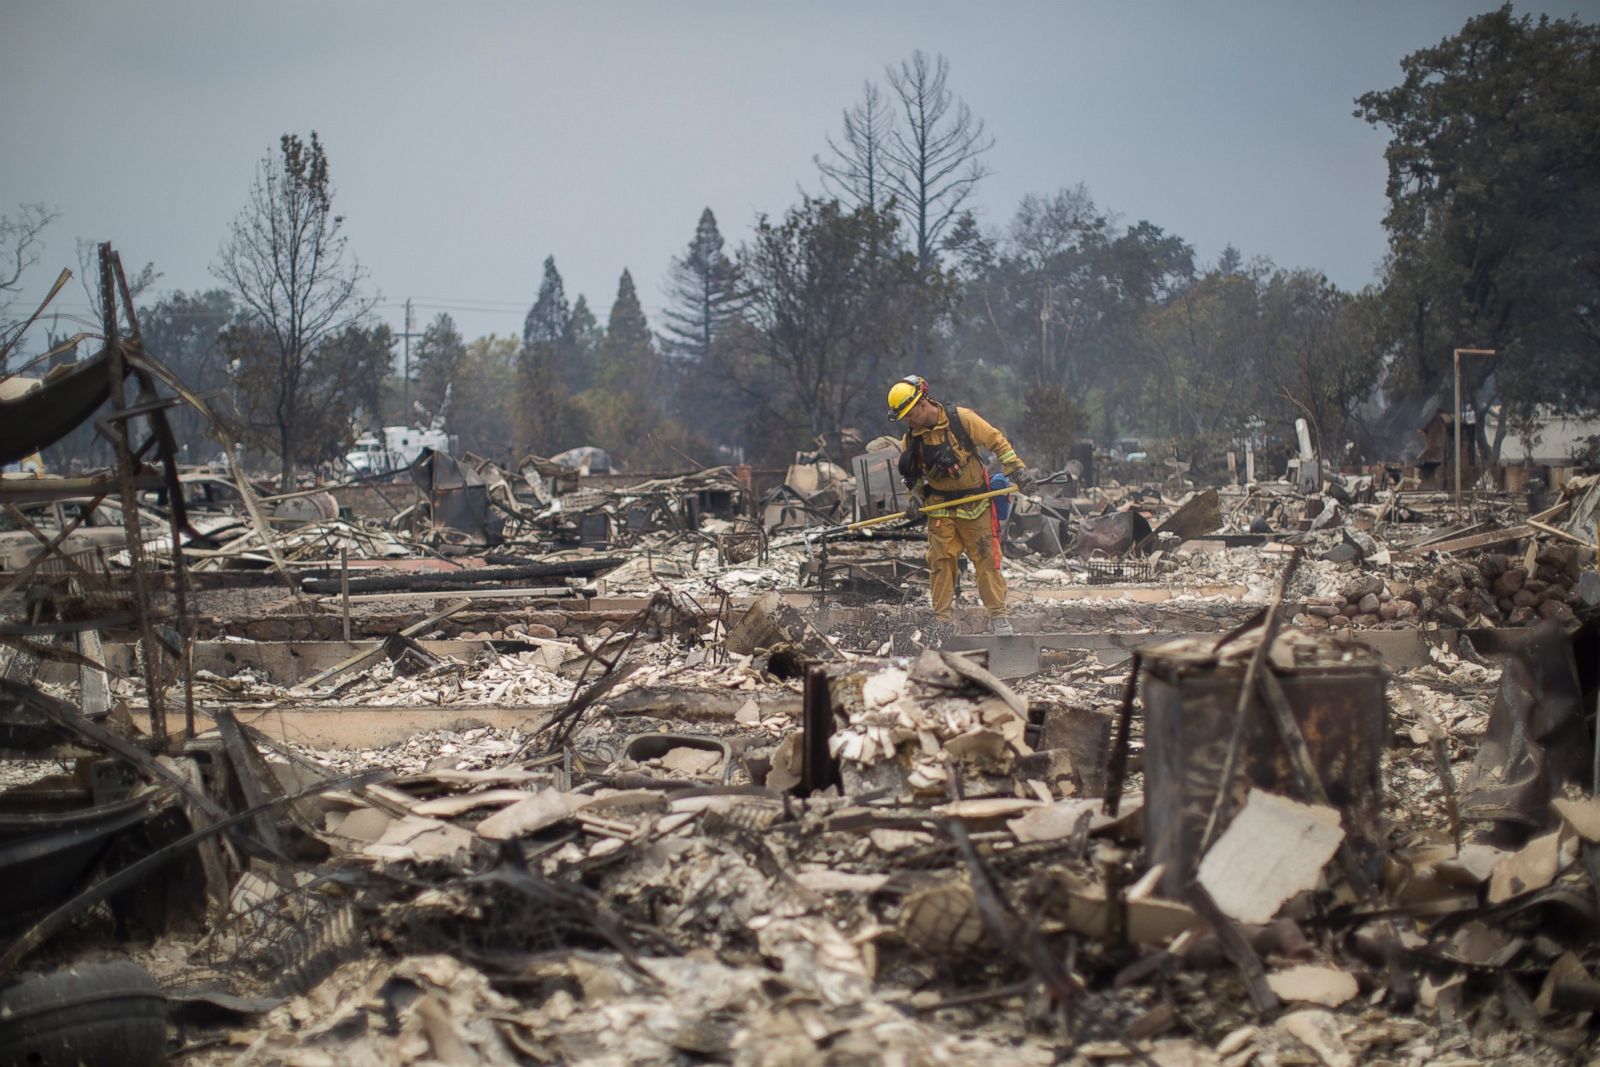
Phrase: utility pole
x=405 y=375
x=405 y=368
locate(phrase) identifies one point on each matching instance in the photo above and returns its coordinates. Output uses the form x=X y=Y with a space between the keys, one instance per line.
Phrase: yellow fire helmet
x=904 y=394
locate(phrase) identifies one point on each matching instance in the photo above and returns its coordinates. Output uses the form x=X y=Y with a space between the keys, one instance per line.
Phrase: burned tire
x=100 y=1013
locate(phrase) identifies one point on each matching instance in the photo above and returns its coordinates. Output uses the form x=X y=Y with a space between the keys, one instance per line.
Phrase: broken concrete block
x=1533 y=867
x=1059 y=820
x=532 y=815
x=1274 y=849
x=942 y=919
x=1309 y=984
x=420 y=840
x=1582 y=815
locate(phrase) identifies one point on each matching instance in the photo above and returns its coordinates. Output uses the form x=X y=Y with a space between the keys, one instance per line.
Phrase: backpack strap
x=959 y=428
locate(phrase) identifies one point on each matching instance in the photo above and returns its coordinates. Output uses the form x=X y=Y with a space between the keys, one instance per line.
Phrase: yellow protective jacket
x=969 y=477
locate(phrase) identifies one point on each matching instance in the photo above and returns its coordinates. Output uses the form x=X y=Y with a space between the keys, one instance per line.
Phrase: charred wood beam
x=450 y=581
x=1117 y=765
x=1236 y=946
x=117 y=370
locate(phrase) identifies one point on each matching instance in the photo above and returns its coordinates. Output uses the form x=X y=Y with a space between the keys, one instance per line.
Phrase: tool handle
x=936 y=507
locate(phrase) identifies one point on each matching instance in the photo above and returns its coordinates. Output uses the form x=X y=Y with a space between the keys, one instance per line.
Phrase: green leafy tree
x=548 y=419
x=1060 y=300
x=487 y=398
x=1494 y=210
x=287 y=262
x=341 y=386
x=626 y=407
x=184 y=331
x=832 y=318
x=1323 y=355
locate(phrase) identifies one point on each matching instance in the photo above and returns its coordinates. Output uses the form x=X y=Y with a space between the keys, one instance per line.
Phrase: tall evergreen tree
x=547 y=319
x=626 y=406
x=703 y=287
x=627 y=358
x=547 y=419
x=579 y=346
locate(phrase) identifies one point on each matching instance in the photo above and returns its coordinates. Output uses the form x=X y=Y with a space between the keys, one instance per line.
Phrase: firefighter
x=939 y=461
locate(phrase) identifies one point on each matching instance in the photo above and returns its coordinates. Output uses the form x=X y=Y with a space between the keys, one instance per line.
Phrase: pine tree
x=626 y=407
x=547 y=419
x=627 y=358
x=703 y=287
x=547 y=319
x=579 y=346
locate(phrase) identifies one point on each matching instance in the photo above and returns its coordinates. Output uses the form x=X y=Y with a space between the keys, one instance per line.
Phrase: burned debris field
x=935 y=615
x=478 y=766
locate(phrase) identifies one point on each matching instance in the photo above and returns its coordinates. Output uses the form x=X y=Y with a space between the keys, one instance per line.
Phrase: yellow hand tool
x=940 y=506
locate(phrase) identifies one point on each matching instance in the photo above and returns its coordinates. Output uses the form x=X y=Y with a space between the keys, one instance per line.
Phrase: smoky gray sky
x=468 y=141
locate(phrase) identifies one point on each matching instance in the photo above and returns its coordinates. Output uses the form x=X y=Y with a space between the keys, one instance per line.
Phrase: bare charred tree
x=933 y=157
x=19 y=250
x=854 y=169
x=285 y=257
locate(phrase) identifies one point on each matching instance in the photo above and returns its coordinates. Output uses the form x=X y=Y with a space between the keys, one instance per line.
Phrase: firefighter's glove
x=1025 y=481
x=913 y=508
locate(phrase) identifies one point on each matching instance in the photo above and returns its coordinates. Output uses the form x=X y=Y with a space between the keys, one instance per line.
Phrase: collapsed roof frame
x=64 y=401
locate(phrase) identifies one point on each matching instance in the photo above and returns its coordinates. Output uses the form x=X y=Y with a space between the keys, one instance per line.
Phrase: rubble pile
x=574 y=766
x=681 y=918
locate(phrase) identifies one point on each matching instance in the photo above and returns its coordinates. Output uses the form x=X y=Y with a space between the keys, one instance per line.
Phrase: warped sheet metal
x=1537 y=741
x=61 y=402
x=457 y=495
x=1191 y=691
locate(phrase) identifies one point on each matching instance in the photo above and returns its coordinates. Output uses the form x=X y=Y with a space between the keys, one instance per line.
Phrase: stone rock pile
x=1495 y=589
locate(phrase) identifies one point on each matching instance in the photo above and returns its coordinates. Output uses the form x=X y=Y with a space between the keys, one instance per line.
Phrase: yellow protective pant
x=947 y=539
